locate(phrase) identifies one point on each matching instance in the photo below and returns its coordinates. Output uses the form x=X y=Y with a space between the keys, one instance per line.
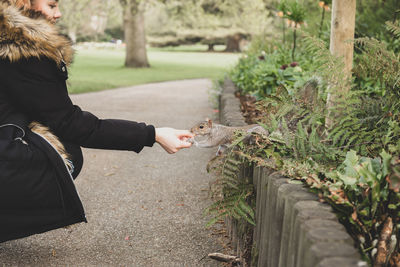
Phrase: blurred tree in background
x=135 y=38
x=211 y=22
x=169 y=22
x=88 y=19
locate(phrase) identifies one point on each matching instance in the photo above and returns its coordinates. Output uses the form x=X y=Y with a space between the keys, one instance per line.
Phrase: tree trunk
x=135 y=39
x=233 y=43
x=211 y=47
x=342 y=33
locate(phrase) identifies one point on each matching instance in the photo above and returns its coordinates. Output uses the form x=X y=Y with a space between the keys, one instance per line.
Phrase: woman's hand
x=173 y=140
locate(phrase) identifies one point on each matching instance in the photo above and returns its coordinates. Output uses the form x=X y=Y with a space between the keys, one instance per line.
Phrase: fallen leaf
x=150 y=166
x=354 y=216
x=127 y=237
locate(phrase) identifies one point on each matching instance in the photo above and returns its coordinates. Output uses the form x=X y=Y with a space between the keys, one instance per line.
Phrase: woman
x=41 y=131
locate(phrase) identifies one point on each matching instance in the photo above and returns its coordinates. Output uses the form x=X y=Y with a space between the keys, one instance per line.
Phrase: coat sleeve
x=38 y=88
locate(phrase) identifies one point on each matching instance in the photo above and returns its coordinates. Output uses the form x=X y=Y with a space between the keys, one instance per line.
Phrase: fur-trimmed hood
x=25 y=34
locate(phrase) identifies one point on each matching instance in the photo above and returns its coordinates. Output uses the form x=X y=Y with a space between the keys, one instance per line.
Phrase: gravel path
x=143 y=209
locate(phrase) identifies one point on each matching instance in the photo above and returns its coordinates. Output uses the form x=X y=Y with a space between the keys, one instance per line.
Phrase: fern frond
x=393 y=28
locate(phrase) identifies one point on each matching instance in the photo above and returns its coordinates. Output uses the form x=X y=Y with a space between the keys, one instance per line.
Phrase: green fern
x=327 y=66
x=378 y=62
x=232 y=195
x=393 y=28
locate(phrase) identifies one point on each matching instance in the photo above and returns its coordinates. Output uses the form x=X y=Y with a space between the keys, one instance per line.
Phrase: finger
x=187 y=140
x=172 y=150
x=184 y=133
x=185 y=145
x=182 y=137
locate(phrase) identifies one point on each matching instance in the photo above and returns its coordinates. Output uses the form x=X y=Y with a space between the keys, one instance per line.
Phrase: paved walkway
x=143 y=209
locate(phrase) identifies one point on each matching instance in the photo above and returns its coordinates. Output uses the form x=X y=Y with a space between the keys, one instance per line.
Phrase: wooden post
x=342 y=31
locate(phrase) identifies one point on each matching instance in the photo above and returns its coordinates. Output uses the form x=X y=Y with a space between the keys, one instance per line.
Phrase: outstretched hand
x=173 y=140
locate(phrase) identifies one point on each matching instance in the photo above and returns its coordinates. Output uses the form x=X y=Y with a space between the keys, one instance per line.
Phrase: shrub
x=353 y=165
x=260 y=75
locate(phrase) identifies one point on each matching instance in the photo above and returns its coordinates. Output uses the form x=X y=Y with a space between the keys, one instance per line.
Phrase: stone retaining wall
x=293 y=229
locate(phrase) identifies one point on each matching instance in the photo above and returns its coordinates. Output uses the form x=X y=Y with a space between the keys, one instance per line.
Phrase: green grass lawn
x=188 y=48
x=99 y=69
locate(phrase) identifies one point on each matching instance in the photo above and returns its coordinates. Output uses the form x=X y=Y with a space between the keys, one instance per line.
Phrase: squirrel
x=220 y=135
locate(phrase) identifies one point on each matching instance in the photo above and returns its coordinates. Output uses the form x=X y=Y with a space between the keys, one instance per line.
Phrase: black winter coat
x=37 y=192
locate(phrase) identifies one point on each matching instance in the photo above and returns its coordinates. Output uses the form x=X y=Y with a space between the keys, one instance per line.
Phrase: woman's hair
x=25 y=4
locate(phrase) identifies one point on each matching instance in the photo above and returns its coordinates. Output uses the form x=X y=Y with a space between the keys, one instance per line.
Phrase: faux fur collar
x=25 y=34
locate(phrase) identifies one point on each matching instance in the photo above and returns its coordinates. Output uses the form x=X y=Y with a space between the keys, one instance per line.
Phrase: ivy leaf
x=386 y=158
x=376 y=168
x=350 y=162
x=347 y=180
x=364 y=212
